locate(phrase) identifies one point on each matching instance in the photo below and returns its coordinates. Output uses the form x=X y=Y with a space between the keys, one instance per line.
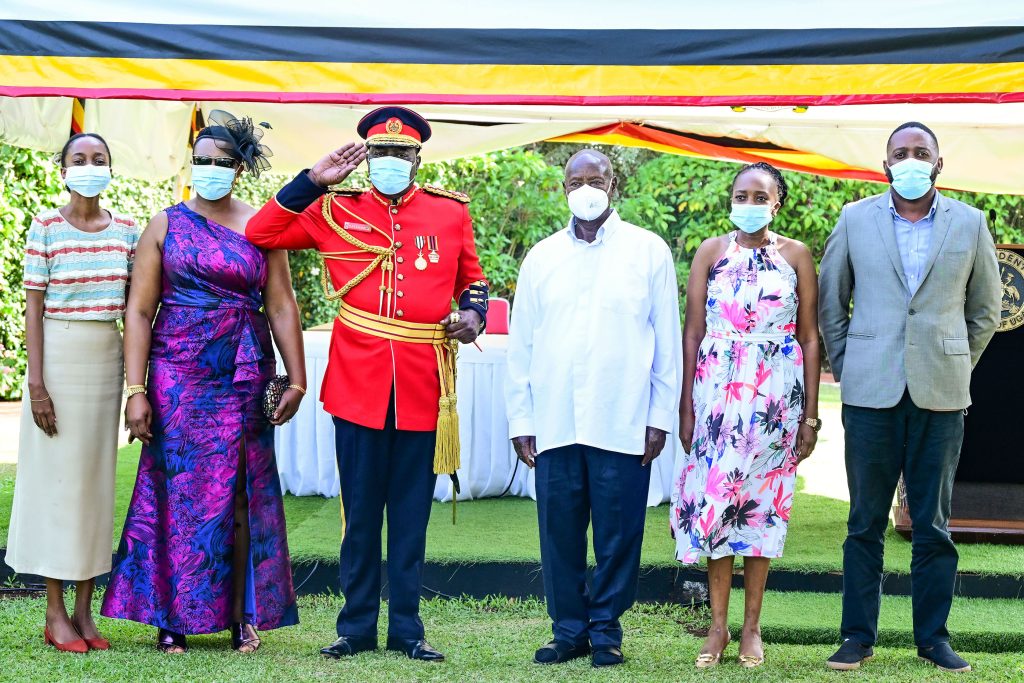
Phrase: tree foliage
x=29 y=183
x=517 y=201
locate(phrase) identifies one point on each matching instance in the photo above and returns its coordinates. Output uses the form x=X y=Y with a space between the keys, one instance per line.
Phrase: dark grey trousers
x=923 y=445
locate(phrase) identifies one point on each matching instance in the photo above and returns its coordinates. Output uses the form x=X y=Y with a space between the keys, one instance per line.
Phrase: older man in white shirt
x=594 y=374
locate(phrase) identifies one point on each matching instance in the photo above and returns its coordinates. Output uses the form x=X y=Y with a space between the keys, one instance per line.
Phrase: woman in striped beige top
x=78 y=263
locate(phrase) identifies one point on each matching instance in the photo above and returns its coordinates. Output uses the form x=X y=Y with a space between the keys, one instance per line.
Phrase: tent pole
x=181 y=185
x=182 y=191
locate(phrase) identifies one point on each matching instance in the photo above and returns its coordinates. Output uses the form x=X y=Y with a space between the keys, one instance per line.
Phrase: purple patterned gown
x=211 y=356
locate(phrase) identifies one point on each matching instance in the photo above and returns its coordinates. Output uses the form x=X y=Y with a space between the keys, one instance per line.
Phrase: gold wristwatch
x=813 y=422
x=134 y=389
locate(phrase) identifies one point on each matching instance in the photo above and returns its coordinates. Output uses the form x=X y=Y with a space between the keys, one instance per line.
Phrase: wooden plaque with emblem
x=988 y=494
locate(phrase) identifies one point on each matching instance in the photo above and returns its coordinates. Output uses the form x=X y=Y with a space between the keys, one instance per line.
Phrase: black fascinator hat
x=240 y=138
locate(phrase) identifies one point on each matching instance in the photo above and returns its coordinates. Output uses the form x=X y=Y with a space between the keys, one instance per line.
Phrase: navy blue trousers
x=393 y=469
x=924 y=446
x=578 y=486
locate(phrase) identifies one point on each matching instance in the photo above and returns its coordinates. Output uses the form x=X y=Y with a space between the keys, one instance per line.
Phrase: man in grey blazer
x=921 y=270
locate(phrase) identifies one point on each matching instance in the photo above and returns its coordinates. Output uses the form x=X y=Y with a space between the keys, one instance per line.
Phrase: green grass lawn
x=506 y=530
x=813 y=619
x=485 y=641
x=493 y=640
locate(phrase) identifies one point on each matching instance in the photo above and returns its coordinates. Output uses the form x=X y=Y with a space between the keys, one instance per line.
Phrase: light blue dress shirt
x=913 y=241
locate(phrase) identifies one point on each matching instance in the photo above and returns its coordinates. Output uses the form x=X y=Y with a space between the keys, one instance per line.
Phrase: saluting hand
x=337 y=165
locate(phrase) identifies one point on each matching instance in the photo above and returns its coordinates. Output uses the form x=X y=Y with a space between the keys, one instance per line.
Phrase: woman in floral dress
x=749 y=408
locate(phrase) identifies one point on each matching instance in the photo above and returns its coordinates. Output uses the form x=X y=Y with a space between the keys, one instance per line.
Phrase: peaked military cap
x=394 y=126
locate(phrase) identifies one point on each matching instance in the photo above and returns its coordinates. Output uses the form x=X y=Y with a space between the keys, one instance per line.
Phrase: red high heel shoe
x=77 y=646
x=100 y=643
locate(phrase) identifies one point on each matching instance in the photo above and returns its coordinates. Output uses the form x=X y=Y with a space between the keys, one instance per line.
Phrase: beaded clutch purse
x=272 y=394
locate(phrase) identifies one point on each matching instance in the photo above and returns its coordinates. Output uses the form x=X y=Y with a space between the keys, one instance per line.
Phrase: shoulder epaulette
x=350 y=191
x=450 y=194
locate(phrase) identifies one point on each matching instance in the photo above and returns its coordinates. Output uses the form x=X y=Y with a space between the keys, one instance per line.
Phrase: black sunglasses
x=222 y=162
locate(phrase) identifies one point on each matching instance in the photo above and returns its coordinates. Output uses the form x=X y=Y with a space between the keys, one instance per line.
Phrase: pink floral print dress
x=734 y=491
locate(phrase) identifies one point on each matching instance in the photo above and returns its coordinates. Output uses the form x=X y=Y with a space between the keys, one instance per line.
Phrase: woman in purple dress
x=204 y=547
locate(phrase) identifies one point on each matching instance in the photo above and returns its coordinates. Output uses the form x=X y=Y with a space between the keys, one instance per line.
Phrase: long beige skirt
x=63 y=514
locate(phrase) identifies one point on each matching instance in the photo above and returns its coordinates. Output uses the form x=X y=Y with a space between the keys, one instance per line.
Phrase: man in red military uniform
x=396 y=256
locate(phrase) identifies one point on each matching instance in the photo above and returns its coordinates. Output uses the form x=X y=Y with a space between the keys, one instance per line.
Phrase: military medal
x=420 y=263
x=433 y=256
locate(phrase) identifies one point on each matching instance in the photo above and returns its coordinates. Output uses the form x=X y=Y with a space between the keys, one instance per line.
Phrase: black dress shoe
x=415 y=648
x=560 y=651
x=849 y=656
x=346 y=646
x=942 y=656
x=606 y=655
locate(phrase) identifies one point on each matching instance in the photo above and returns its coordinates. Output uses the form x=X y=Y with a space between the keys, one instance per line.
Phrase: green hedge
x=28 y=184
x=687 y=200
x=517 y=201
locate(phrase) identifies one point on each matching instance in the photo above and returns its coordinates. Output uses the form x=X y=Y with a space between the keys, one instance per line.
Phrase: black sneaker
x=849 y=656
x=942 y=656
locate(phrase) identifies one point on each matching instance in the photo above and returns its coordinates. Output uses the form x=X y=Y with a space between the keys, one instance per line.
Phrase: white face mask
x=87 y=181
x=587 y=202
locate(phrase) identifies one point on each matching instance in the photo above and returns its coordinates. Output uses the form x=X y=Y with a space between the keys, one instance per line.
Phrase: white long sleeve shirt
x=595 y=350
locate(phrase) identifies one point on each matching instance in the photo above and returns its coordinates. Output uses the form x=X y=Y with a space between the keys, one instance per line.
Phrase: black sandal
x=166 y=640
x=238 y=640
x=560 y=651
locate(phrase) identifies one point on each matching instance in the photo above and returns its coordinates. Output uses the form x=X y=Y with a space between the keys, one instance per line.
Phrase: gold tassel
x=447 y=447
x=446 y=450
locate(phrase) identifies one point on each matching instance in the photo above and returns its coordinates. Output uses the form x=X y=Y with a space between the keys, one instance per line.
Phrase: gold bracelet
x=296 y=387
x=39 y=400
x=134 y=389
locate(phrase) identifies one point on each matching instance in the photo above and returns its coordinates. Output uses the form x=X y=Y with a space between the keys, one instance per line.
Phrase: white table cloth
x=305 y=446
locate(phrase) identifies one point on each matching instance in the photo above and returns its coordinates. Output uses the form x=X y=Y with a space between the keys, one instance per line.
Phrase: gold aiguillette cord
x=383 y=257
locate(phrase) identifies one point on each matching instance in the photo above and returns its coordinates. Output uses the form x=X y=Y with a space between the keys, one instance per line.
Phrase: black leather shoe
x=942 y=656
x=415 y=648
x=606 y=655
x=849 y=656
x=346 y=646
x=560 y=651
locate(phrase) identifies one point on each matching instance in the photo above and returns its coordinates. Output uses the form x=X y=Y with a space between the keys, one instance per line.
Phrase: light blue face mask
x=911 y=178
x=212 y=182
x=87 y=181
x=750 y=217
x=390 y=175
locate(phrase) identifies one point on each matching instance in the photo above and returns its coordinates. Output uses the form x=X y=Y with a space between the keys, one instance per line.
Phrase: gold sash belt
x=446 y=450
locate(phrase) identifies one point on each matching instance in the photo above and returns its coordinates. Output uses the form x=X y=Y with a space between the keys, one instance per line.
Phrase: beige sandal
x=750 y=661
x=707 y=660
